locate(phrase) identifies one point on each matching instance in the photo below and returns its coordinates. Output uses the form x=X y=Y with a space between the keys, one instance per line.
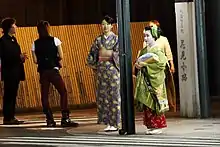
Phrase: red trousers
x=48 y=77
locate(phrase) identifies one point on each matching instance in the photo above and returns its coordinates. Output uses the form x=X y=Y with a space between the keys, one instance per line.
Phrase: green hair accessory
x=154 y=31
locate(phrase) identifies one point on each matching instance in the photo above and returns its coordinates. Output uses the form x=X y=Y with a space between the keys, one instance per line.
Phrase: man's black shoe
x=12 y=122
x=51 y=123
x=68 y=123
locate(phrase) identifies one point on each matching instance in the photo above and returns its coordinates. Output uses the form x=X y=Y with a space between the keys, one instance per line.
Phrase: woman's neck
x=152 y=43
x=107 y=34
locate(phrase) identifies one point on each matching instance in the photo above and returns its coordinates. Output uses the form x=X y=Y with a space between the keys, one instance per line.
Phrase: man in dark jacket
x=12 y=69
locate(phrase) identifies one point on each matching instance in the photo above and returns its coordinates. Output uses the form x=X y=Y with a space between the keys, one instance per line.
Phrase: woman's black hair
x=108 y=19
x=156 y=34
x=6 y=24
x=147 y=28
x=160 y=32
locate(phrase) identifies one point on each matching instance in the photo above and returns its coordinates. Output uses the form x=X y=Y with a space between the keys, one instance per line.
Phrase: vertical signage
x=187 y=59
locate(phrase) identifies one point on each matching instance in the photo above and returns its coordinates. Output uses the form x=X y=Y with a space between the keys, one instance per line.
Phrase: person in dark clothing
x=12 y=69
x=47 y=54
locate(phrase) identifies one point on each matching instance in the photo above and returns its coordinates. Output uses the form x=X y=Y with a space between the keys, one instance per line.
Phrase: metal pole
x=122 y=68
x=202 y=59
x=128 y=67
x=127 y=106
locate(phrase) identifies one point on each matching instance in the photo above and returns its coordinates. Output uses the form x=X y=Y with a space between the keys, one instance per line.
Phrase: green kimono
x=153 y=95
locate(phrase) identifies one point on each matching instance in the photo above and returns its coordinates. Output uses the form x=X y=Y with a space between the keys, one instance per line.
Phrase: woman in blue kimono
x=104 y=58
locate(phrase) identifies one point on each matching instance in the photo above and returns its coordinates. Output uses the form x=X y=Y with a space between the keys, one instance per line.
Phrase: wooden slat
x=79 y=79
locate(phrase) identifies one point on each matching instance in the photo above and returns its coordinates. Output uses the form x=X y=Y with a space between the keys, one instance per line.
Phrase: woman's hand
x=137 y=65
x=172 y=69
x=23 y=57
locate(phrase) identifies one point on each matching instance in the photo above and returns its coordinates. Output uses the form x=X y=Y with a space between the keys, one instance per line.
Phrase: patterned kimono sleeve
x=93 y=56
x=116 y=53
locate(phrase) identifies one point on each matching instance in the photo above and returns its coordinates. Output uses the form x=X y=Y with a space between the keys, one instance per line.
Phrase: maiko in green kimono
x=150 y=84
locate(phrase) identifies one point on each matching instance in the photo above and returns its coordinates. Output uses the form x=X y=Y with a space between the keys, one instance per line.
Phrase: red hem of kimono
x=153 y=120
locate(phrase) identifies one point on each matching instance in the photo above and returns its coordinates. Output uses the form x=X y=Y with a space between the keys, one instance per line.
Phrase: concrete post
x=187 y=59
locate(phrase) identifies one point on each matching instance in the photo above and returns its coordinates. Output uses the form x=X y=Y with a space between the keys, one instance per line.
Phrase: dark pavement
x=180 y=132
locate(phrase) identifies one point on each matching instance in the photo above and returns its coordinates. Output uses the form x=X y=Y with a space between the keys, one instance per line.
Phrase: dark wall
x=213 y=45
x=28 y=12
x=58 y=12
x=61 y=12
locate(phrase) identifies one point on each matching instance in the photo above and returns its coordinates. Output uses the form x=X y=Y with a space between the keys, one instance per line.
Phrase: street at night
x=180 y=132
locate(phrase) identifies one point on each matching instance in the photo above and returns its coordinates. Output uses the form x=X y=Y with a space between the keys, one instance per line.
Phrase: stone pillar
x=187 y=59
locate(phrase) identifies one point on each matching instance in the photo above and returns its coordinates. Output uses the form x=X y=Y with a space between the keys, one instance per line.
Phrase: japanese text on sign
x=183 y=57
